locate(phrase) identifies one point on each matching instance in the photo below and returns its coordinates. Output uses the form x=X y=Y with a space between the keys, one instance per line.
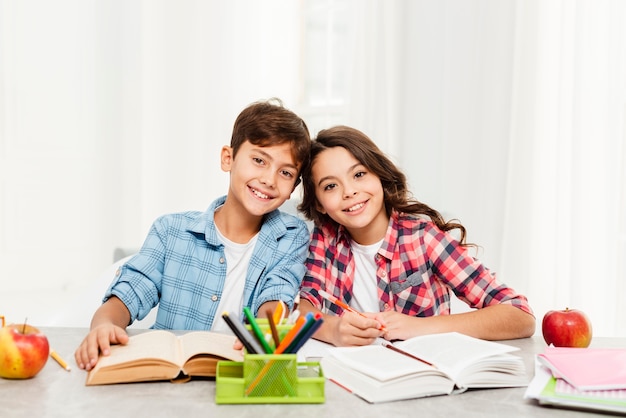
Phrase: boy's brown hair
x=266 y=123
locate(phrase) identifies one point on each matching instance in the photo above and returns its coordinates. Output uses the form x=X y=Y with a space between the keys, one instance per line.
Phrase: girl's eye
x=359 y=174
x=329 y=186
x=287 y=174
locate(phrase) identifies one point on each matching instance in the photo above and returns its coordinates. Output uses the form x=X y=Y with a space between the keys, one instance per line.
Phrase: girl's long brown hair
x=395 y=190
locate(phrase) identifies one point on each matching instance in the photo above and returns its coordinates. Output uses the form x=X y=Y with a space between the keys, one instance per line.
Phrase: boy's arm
x=284 y=279
x=107 y=327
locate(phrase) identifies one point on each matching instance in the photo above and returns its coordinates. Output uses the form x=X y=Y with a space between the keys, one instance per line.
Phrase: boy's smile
x=261 y=178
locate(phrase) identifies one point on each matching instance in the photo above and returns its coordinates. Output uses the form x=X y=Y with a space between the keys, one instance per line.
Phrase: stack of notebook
x=581 y=378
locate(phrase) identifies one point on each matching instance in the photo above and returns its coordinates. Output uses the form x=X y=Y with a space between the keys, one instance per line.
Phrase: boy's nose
x=268 y=180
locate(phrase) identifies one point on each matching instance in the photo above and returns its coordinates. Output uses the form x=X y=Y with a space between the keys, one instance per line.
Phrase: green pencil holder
x=269 y=378
x=282 y=329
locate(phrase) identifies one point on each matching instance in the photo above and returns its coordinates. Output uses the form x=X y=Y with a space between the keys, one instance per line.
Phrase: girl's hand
x=352 y=329
x=398 y=326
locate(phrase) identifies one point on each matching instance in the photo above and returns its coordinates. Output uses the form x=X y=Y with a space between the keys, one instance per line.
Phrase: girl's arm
x=495 y=322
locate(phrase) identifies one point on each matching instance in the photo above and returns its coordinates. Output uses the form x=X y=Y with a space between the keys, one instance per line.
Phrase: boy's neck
x=237 y=224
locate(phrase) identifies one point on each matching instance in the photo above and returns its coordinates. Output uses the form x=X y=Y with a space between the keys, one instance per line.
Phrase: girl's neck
x=371 y=233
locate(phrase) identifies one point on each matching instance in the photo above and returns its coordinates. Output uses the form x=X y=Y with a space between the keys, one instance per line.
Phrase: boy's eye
x=258 y=160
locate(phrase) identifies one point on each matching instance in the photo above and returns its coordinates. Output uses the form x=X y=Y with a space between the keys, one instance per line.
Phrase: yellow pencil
x=59 y=360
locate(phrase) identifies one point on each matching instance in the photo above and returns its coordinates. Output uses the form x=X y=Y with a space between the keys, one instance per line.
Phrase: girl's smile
x=350 y=194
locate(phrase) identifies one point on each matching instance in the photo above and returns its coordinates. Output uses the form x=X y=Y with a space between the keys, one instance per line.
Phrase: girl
x=389 y=256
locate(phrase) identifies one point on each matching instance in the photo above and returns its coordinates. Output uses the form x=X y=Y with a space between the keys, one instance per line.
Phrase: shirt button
x=221 y=260
x=118 y=271
x=386 y=306
x=383 y=274
x=214 y=298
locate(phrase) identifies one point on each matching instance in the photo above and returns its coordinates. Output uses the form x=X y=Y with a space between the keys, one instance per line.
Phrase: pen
x=398 y=350
x=240 y=332
x=342 y=304
x=59 y=360
x=257 y=331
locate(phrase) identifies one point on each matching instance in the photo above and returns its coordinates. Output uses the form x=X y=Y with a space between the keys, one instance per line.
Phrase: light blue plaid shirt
x=181 y=267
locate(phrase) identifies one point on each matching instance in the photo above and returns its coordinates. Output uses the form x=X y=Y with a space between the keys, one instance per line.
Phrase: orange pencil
x=279 y=350
x=342 y=304
x=290 y=335
x=59 y=360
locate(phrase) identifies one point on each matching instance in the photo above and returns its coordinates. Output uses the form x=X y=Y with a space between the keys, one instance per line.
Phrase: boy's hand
x=98 y=340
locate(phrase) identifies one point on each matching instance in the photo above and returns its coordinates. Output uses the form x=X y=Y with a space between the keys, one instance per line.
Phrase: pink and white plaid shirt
x=417 y=266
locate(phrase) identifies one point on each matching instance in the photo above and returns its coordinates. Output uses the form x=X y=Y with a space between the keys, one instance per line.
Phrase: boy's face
x=261 y=178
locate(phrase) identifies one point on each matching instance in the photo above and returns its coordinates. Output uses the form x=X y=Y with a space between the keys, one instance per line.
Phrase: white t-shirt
x=365 y=287
x=237 y=261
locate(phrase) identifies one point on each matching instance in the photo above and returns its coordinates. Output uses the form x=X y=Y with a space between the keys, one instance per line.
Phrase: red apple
x=566 y=328
x=24 y=350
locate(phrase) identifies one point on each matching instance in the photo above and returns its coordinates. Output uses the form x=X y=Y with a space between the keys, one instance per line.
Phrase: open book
x=451 y=363
x=162 y=355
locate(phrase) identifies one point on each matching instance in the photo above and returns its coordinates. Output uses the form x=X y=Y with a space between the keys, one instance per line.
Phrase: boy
x=241 y=252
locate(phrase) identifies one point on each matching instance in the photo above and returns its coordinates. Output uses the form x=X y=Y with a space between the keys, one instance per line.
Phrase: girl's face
x=350 y=194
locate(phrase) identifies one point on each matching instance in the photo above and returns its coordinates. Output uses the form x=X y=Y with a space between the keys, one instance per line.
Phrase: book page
x=153 y=345
x=452 y=352
x=207 y=342
x=379 y=362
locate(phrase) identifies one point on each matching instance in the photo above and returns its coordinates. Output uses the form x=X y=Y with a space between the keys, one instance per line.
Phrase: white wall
x=113 y=112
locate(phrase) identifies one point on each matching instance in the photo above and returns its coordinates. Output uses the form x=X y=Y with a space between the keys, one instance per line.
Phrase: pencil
x=240 y=332
x=342 y=305
x=287 y=339
x=270 y=320
x=307 y=335
x=257 y=331
x=413 y=356
x=310 y=320
x=59 y=360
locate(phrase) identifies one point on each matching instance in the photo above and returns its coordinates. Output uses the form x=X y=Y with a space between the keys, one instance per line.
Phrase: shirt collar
x=274 y=224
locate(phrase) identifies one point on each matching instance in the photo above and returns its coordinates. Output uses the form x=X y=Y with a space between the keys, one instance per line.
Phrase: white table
x=55 y=392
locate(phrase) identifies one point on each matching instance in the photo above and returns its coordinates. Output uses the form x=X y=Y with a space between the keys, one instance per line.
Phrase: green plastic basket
x=269 y=378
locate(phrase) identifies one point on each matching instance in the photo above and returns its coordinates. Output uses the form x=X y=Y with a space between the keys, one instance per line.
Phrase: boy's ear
x=226 y=158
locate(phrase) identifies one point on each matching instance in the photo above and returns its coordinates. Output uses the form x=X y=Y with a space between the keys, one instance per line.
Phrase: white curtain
x=509 y=115
x=565 y=213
